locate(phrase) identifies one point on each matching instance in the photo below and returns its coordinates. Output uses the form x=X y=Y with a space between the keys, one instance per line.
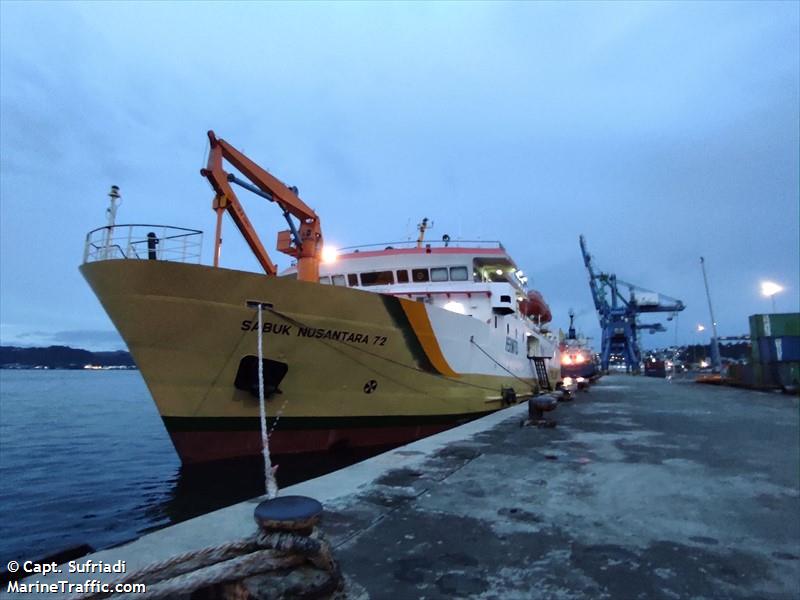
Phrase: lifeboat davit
x=534 y=306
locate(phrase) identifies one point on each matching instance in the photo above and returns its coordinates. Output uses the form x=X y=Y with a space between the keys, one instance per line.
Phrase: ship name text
x=320 y=333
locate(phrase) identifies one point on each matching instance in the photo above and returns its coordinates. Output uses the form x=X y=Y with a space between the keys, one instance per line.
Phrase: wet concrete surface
x=646 y=489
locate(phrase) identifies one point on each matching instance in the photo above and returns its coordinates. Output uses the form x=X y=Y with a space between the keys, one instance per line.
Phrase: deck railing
x=143 y=242
x=426 y=243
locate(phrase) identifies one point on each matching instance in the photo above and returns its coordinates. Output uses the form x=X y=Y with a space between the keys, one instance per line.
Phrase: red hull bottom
x=203 y=446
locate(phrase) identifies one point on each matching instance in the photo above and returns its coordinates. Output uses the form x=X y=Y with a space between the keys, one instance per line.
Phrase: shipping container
x=754 y=352
x=741 y=375
x=774 y=325
x=655 y=368
x=778 y=349
x=758 y=374
x=789 y=375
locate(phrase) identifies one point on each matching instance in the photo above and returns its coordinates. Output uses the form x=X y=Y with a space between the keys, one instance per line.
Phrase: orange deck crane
x=303 y=243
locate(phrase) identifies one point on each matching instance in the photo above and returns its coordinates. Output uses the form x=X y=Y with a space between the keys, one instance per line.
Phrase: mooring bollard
x=297 y=514
x=537 y=406
x=287 y=524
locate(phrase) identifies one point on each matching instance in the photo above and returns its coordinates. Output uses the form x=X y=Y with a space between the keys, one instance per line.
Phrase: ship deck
x=645 y=489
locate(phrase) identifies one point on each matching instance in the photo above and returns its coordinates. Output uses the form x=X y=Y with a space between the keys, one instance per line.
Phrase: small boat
x=365 y=347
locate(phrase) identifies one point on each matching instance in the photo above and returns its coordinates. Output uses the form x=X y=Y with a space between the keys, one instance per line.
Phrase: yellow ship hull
x=344 y=367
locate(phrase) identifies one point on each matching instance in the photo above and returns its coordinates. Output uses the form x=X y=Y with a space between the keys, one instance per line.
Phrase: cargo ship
x=579 y=364
x=371 y=346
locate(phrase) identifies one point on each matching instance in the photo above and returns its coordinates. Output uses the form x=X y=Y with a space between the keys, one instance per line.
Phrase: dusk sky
x=661 y=131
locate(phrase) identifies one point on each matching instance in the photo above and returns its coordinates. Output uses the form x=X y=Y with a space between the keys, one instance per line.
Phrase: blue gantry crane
x=619 y=313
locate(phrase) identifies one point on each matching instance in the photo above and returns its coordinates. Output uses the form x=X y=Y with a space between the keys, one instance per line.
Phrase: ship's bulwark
x=358 y=369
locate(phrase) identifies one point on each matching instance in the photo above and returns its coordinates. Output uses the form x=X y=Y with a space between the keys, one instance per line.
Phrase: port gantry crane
x=619 y=313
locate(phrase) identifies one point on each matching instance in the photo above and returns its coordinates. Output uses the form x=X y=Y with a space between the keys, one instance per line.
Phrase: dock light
x=701 y=328
x=566 y=360
x=579 y=358
x=329 y=254
x=567 y=381
x=769 y=289
x=499 y=271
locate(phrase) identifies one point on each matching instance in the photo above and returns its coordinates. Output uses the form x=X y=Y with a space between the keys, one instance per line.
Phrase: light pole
x=700 y=328
x=769 y=289
x=715 y=356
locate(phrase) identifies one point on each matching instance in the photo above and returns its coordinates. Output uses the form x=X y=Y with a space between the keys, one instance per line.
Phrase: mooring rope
x=474 y=343
x=270 y=484
x=228 y=562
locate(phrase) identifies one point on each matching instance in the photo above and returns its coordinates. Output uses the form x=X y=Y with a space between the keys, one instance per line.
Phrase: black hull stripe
x=400 y=319
x=306 y=423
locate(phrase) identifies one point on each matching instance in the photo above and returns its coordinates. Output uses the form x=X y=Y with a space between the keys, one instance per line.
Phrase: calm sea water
x=85 y=459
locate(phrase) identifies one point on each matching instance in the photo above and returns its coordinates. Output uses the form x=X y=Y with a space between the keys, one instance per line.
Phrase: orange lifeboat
x=534 y=306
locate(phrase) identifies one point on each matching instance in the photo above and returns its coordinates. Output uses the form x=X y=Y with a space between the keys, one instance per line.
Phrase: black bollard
x=298 y=514
x=537 y=406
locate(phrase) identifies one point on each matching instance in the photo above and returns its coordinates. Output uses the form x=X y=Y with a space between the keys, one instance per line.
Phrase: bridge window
x=419 y=275
x=352 y=280
x=439 y=274
x=377 y=278
x=338 y=280
x=402 y=276
x=326 y=280
x=458 y=274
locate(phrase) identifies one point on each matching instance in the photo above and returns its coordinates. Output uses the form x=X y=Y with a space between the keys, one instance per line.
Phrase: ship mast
x=422 y=227
x=111 y=214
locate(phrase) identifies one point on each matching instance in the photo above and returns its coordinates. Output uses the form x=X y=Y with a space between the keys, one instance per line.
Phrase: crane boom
x=303 y=243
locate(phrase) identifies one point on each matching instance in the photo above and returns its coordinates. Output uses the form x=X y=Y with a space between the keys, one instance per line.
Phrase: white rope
x=270 y=485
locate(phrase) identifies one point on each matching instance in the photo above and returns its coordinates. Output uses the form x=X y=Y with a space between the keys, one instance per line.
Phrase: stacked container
x=775 y=347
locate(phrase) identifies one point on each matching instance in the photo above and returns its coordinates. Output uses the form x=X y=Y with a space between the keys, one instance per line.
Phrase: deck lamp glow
x=329 y=254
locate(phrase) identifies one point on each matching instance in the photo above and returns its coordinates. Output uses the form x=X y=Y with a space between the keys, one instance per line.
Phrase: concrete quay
x=646 y=489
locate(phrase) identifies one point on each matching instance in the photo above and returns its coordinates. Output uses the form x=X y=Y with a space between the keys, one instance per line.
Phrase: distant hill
x=61 y=357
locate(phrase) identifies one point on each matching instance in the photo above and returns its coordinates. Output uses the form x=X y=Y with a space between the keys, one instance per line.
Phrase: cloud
x=661 y=131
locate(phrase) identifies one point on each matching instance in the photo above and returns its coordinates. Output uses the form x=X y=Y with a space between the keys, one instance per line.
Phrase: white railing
x=430 y=243
x=143 y=242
